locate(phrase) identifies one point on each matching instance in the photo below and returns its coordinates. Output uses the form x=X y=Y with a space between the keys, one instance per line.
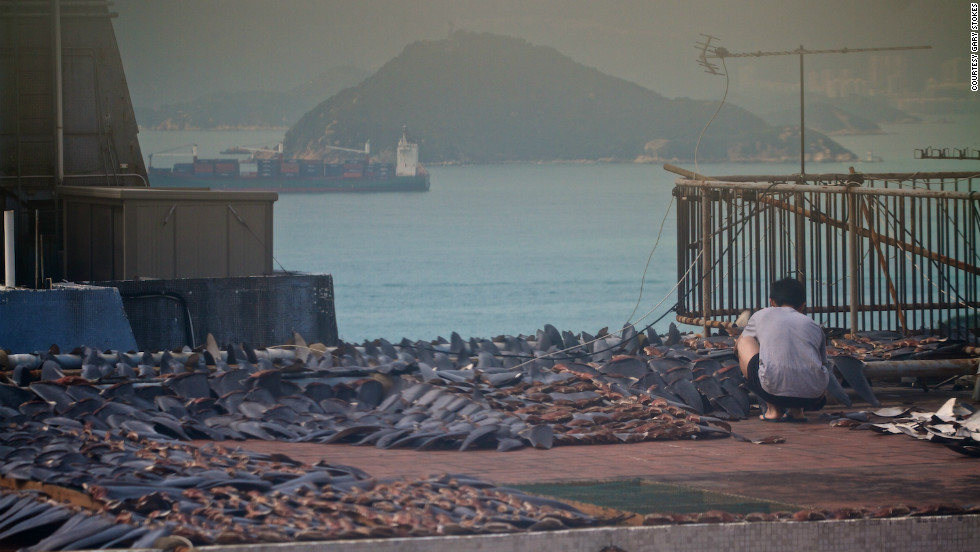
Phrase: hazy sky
x=175 y=50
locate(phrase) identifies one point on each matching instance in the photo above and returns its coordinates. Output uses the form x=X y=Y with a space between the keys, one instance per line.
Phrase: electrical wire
x=649 y=258
x=720 y=104
x=724 y=97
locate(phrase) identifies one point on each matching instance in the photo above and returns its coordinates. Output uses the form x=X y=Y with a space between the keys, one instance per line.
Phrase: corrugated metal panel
x=101 y=242
x=83 y=154
x=79 y=75
x=36 y=158
x=7 y=95
x=250 y=238
x=8 y=158
x=160 y=233
x=150 y=251
x=78 y=242
x=201 y=240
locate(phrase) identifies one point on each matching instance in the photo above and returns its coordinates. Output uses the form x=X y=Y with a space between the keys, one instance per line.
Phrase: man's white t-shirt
x=792 y=352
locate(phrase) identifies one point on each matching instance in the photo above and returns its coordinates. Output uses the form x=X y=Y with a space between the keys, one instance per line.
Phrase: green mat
x=644 y=497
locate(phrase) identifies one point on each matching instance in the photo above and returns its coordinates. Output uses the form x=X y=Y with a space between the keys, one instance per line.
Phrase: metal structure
x=877 y=251
x=709 y=52
x=947 y=153
x=65 y=119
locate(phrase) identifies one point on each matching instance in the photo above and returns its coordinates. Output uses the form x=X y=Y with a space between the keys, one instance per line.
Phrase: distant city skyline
x=179 y=50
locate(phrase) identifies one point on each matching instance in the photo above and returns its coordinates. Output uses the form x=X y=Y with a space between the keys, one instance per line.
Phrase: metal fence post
x=705 y=260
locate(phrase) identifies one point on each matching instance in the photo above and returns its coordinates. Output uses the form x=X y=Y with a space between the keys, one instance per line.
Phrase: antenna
x=709 y=53
x=709 y=67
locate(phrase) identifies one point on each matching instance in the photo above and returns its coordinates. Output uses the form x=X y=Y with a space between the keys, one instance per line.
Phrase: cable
x=723 y=98
x=250 y=231
x=896 y=226
x=649 y=258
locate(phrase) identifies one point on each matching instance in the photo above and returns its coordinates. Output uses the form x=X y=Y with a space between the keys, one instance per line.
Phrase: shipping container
x=268 y=167
x=311 y=168
x=204 y=168
x=226 y=168
x=248 y=169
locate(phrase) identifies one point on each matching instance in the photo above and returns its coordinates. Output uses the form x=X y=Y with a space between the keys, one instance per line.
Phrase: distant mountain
x=876 y=109
x=483 y=98
x=253 y=109
x=844 y=116
x=826 y=118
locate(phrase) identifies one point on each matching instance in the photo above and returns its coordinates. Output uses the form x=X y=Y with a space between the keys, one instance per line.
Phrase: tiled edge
x=947 y=533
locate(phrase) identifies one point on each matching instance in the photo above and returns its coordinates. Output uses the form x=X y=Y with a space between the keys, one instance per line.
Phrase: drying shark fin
x=853 y=371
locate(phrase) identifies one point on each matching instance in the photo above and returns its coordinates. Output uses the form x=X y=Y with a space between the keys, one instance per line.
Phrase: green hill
x=483 y=98
x=250 y=109
x=827 y=118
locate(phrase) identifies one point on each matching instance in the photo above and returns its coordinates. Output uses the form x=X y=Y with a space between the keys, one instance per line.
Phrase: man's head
x=788 y=292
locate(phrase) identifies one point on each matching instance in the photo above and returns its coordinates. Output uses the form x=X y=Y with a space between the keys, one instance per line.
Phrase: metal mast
x=708 y=52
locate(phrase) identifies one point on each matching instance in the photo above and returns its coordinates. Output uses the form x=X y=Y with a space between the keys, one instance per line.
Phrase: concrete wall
x=68 y=316
x=259 y=310
x=946 y=533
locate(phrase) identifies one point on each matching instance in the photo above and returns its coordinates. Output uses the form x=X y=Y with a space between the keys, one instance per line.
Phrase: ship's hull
x=292 y=184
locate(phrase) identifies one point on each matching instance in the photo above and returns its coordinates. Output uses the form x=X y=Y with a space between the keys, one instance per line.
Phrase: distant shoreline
x=209 y=129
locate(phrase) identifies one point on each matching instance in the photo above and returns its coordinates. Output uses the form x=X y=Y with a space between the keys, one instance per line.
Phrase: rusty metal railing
x=876 y=251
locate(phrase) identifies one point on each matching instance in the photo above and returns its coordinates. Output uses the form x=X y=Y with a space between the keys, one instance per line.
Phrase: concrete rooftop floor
x=818 y=466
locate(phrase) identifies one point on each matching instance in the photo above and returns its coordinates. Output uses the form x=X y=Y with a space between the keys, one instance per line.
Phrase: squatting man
x=782 y=353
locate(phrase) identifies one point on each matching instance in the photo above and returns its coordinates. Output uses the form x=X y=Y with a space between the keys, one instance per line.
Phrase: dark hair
x=788 y=292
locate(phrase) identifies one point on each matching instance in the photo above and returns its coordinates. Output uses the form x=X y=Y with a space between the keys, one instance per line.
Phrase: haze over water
x=505 y=249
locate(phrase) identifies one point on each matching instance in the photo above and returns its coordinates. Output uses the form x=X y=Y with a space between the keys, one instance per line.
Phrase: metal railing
x=877 y=251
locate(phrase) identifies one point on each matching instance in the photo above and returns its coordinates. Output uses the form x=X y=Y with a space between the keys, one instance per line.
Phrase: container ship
x=269 y=170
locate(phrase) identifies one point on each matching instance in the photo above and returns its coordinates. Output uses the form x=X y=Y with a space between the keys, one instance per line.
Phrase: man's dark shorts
x=754 y=384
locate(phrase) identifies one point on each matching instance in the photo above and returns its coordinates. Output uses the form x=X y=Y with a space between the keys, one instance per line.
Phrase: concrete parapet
x=67 y=315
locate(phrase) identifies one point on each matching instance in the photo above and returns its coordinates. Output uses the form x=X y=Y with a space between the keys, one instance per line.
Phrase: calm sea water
x=506 y=249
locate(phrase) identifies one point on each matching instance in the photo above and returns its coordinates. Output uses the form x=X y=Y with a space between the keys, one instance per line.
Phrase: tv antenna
x=710 y=52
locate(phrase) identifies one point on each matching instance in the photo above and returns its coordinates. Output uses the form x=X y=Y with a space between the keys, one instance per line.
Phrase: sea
x=505 y=249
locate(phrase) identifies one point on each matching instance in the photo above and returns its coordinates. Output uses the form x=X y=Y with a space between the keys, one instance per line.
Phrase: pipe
x=142 y=179
x=897 y=369
x=705 y=260
x=779 y=187
x=883 y=263
x=704 y=322
x=74 y=362
x=821 y=177
x=9 y=279
x=37 y=248
x=853 y=281
x=59 y=140
x=802 y=119
x=823 y=309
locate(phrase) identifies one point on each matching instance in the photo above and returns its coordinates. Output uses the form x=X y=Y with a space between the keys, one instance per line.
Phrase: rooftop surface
x=818 y=466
